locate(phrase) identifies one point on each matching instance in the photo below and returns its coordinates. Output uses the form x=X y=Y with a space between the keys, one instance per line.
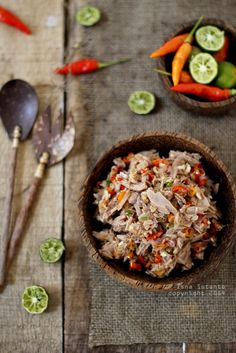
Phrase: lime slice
x=35 y=299
x=203 y=68
x=141 y=102
x=51 y=250
x=210 y=38
x=88 y=16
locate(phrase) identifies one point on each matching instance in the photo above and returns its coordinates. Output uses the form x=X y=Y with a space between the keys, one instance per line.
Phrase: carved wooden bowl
x=226 y=201
x=194 y=104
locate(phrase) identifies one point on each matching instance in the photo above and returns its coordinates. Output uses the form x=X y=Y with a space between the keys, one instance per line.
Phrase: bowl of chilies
x=197 y=65
x=136 y=201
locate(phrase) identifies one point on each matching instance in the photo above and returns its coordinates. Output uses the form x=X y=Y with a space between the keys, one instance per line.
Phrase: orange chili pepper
x=157 y=162
x=121 y=195
x=158 y=259
x=180 y=189
x=127 y=158
x=170 y=46
x=182 y=55
x=188 y=232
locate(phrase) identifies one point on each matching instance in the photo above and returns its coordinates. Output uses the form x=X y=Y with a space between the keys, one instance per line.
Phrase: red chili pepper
x=210 y=93
x=155 y=235
x=85 y=66
x=221 y=55
x=202 y=182
x=122 y=187
x=113 y=178
x=134 y=266
x=158 y=259
x=12 y=20
x=142 y=260
x=151 y=176
x=111 y=191
x=180 y=189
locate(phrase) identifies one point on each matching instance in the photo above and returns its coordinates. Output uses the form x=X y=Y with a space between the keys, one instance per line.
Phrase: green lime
x=35 y=299
x=51 y=250
x=226 y=77
x=203 y=68
x=141 y=102
x=88 y=16
x=210 y=38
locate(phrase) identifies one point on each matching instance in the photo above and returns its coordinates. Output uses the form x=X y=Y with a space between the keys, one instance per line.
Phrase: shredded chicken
x=160 y=213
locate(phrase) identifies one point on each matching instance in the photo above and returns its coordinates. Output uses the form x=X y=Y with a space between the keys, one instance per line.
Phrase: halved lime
x=88 y=16
x=35 y=299
x=203 y=68
x=51 y=250
x=210 y=38
x=142 y=102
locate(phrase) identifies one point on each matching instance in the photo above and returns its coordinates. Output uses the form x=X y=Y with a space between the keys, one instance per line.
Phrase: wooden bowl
x=192 y=103
x=163 y=142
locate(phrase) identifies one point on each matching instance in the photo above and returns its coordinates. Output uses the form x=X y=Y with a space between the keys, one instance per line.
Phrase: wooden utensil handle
x=25 y=210
x=5 y=237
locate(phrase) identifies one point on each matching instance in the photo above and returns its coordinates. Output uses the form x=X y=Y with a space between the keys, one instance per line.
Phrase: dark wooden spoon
x=18 y=111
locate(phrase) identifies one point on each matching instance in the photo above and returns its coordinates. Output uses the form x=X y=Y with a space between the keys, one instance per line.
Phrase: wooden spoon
x=18 y=111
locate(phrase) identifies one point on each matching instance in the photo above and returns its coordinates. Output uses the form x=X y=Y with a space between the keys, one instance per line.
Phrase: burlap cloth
x=132 y=28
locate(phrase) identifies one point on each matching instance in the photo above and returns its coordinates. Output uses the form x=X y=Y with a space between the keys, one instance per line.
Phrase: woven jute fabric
x=131 y=28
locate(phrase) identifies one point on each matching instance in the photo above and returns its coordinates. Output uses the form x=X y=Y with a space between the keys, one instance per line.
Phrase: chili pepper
x=188 y=232
x=170 y=46
x=121 y=195
x=122 y=187
x=198 y=247
x=157 y=162
x=180 y=189
x=182 y=55
x=170 y=217
x=202 y=181
x=12 y=20
x=151 y=176
x=85 y=66
x=134 y=266
x=142 y=260
x=210 y=93
x=192 y=191
x=185 y=76
x=111 y=191
x=155 y=235
x=221 y=55
x=127 y=159
x=158 y=259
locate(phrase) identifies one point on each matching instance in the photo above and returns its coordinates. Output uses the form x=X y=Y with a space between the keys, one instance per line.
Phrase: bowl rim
x=167 y=82
x=200 y=273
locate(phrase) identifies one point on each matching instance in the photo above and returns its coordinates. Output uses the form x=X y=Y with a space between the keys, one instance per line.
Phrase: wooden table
x=64 y=327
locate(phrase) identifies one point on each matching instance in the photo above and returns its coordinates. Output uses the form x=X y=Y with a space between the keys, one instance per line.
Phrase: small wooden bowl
x=163 y=142
x=192 y=103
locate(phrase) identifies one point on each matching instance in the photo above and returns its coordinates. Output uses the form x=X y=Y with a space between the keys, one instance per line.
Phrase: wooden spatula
x=51 y=145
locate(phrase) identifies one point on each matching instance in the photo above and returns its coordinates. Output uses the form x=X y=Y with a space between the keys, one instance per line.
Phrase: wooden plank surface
x=32 y=58
x=77 y=291
x=64 y=327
